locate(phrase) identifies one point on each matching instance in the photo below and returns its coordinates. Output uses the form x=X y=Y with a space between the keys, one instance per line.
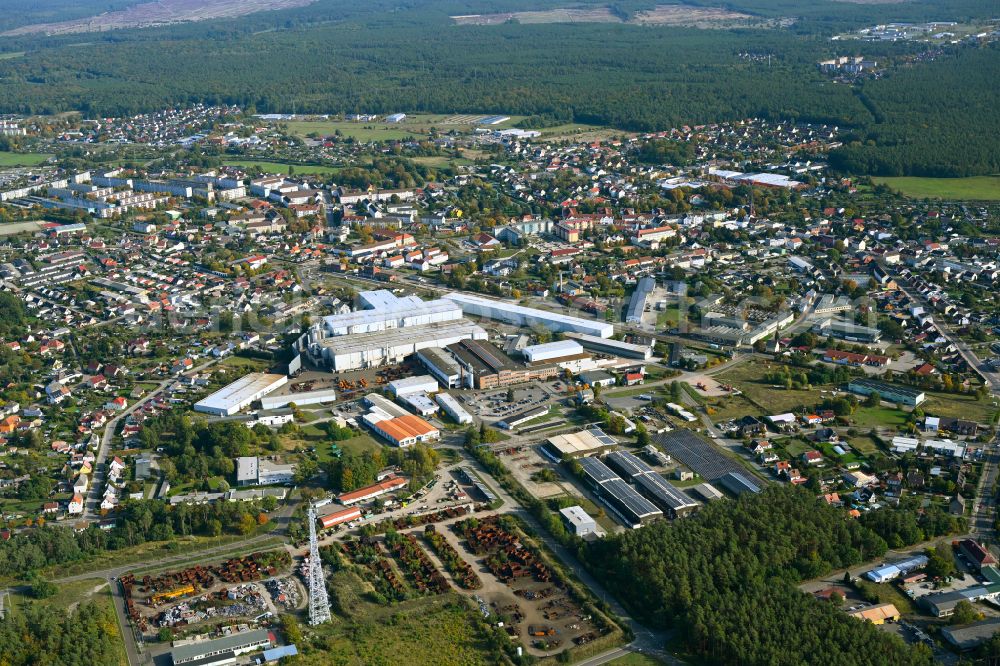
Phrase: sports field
x=981 y=188
x=8 y=159
x=283 y=167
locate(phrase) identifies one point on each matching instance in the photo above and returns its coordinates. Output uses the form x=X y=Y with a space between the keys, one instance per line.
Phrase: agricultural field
x=163 y=12
x=9 y=159
x=661 y=15
x=284 y=167
x=415 y=125
x=983 y=188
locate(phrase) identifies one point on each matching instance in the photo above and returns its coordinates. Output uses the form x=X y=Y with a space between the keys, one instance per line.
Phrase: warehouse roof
x=440 y=359
x=482 y=356
x=636 y=504
x=199 y=648
x=371 y=491
x=404 y=427
x=968 y=636
x=553 y=349
x=597 y=471
x=357 y=343
x=499 y=308
x=626 y=463
x=883 y=387
x=637 y=305
x=579 y=443
x=663 y=492
x=241 y=390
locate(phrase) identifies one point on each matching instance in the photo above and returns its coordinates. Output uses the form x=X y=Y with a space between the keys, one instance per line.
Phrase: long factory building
x=518 y=315
x=631 y=508
x=613 y=347
x=637 y=305
x=649 y=483
x=388 y=329
x=240 y=394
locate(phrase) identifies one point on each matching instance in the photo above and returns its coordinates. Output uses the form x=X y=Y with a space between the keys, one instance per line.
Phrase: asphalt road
x=91 y=510
x=991 y=377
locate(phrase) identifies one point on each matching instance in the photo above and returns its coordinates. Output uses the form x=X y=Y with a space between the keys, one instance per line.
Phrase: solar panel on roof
x=606 y=439
x=664 y=492
x=629 y=499
x=628 y=463
x=597 y=471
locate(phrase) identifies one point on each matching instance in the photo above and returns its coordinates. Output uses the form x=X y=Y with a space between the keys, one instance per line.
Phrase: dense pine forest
x=725 y=580
x=930 y=118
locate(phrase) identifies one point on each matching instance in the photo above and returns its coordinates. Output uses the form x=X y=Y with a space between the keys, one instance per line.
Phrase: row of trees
x=139 y=522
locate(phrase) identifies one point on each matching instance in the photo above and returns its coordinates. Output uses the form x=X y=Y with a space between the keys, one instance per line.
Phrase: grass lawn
x=66 y=594
x=864 y=445
x=433 y=630
x=975 y=187
x=887 y=417
x=748 y=378
x=283 y=167
x=730 y=407
x=959 y=406
x=668 y=318
x=244 y=364
x=356 y=445
x=441 y=160
x=796 y=447
x=147 y=552
x=889 y=594
x=9 y=159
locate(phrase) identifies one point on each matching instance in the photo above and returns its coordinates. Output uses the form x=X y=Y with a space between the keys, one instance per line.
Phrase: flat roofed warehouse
x=451 y=407
x=515 y=420
x=368 y=350
x=637 y=305
x=577 y=444
x=519 y=315
x=578 y=520
x=905 y=395
x=384 y=310
x=240 y=394
x=613 y=347
x=442 y=366
x=417 y=384
x=236 y=644
x=551 y=350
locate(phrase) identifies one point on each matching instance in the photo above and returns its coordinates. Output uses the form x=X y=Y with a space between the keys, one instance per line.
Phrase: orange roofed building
x=372 y=491
x=406 y=430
